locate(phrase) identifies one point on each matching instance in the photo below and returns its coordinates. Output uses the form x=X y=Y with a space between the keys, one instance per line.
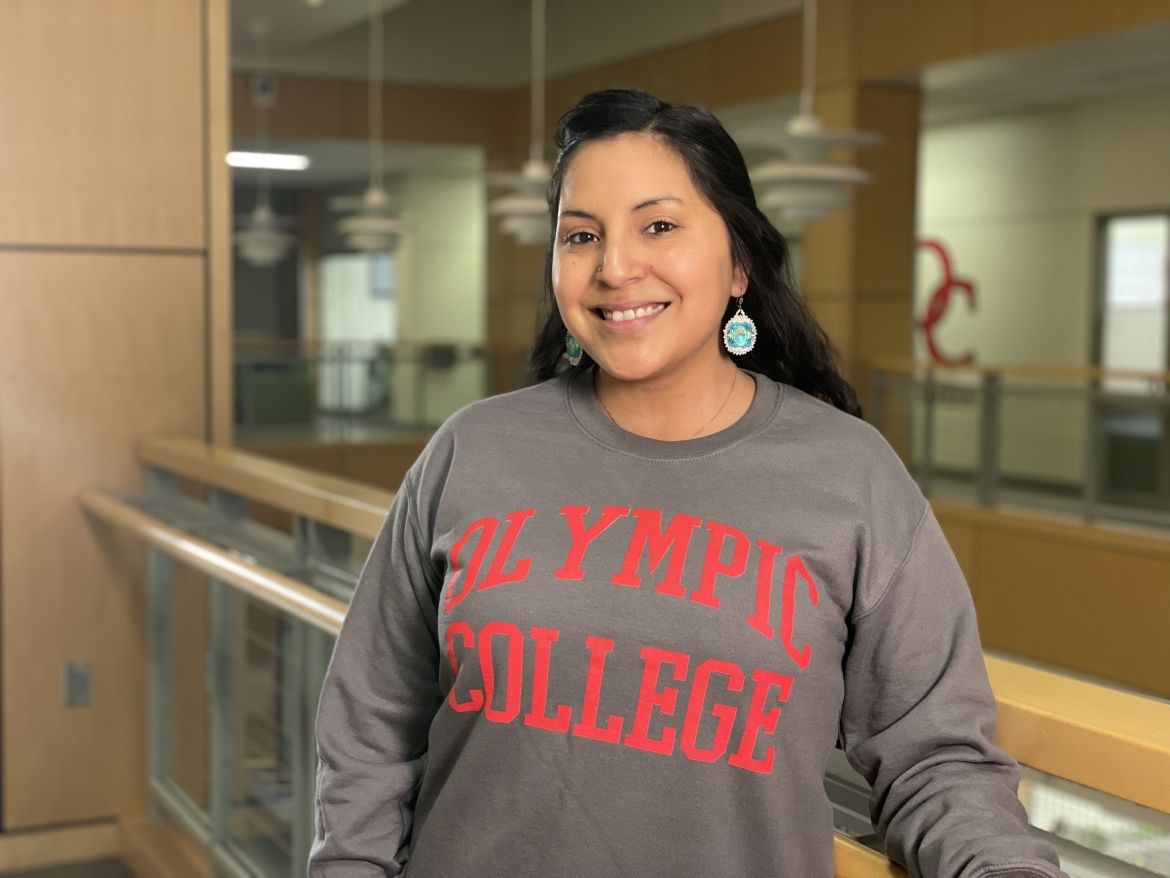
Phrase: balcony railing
x=251 y=564
x=1090 y=442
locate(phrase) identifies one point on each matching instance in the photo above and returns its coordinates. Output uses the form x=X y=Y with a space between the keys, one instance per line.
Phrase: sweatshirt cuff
x=1019 y=869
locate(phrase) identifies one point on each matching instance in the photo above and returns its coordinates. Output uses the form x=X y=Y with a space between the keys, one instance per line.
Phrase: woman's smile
x=627 y=318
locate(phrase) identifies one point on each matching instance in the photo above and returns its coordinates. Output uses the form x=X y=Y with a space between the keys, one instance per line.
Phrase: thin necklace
x=734 y=378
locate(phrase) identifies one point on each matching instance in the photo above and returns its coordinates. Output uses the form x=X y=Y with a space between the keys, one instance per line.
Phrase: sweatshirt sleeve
x=380 y=694
x=918 y=722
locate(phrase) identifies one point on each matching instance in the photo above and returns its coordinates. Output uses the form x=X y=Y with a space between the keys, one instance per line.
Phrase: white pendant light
x=262 y=238
x=804 y=185
x=375 y=226
x=523 y=212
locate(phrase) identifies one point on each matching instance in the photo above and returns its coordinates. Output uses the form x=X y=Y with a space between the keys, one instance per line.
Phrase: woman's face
x=635 y=235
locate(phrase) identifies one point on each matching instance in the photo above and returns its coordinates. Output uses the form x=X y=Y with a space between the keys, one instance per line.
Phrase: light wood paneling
x=336 y=109
x=343 y=504
x=896 y=37
x=854 y=860
x=217 y=130
x=1095 y=736
x=100 y=106
x=1009 y=24
x=95 y=351
x=1088 y=598
x=154 y=850
x=381 y=465
x=20 y=851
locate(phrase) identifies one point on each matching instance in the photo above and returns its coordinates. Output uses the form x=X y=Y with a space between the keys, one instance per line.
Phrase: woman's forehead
x=633 y=167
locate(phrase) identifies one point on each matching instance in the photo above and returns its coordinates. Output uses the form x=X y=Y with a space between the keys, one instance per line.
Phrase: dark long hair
x=791 y=347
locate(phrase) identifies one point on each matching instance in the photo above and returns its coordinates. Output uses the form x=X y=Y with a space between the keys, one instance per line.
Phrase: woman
x=616 y=622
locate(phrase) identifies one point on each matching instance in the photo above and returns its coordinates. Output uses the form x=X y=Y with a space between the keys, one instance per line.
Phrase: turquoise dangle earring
x=739 y=333
x=572 y=349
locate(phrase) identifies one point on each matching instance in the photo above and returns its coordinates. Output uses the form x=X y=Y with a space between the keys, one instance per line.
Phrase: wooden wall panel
x=382 y=464
x=101 y=112
x=96 y=351
x=335 y=109
x=1010 y=24
x=1090 y=599
x=220 y=222
x=893 y=38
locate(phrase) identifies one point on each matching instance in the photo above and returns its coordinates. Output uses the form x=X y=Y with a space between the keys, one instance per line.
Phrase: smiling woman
x=616 y=622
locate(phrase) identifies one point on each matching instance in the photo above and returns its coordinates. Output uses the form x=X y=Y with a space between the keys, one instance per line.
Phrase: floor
x=100 y=869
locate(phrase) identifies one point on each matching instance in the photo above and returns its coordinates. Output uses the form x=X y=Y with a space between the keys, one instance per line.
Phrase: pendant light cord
x=536 y=148
x=375 y=96
x=808 y=60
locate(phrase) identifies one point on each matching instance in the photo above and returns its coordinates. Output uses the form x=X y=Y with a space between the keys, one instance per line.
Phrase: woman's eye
x=578 y=238
x=659 y=227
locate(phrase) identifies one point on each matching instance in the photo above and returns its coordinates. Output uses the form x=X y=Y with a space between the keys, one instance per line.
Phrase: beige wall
x=1016 y=199
x=109 y=277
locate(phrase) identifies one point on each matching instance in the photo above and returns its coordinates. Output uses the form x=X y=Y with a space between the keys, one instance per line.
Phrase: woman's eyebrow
x=658 y=200
x=649 y=202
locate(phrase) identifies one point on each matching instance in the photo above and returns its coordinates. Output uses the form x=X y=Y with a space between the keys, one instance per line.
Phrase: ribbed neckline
x=586 y=410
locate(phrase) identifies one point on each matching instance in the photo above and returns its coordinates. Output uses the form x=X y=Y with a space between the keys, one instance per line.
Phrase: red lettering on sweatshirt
x=486 y=529
x=723 y=713
x=537 y=715
x=650 y=698
x=713 y=566
x=474 y=696
x=496 y=574
x=761 y=617
x=759 y=719
x=582 y=536
x=599 y=648
x=515 y=667
x=651 y=540
x=794 y=569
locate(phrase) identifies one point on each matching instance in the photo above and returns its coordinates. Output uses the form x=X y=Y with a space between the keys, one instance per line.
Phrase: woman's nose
x=622 y=262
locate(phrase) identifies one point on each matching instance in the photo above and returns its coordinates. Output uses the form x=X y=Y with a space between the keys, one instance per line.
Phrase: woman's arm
x=918 y=722
x=380 y=694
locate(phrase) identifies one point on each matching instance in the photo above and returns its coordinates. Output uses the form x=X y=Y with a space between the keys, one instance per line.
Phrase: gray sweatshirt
x=575 y=651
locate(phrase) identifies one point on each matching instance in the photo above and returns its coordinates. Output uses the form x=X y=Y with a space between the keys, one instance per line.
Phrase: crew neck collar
x=586 y=410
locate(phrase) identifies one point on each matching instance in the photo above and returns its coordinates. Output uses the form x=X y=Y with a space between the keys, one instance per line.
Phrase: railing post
x=926 y=465
x=160 y=580
x=877 y=394
x=987 y=481
x=1094 y=451
x=222 y=755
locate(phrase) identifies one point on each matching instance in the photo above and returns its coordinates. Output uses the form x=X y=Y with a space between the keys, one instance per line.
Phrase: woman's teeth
x=632 y=313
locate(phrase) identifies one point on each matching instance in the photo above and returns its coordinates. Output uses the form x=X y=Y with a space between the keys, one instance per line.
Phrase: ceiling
x=478 y=43
x=1109 y=65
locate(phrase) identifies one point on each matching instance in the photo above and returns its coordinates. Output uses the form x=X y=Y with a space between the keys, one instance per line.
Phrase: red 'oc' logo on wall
x=940 y=300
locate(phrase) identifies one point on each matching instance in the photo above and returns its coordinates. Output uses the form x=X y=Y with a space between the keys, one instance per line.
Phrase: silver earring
x=739 y=333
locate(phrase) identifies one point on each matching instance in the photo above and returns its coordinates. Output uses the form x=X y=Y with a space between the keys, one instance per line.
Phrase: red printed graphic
x=670 y=700
x=704 y=709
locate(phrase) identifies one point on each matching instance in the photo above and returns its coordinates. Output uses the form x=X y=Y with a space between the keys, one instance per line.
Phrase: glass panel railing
x=235 y=677
x=354 y=391
x=1062 y=440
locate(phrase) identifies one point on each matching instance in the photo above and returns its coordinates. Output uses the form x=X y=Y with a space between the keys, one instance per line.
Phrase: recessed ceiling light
x=273 y=161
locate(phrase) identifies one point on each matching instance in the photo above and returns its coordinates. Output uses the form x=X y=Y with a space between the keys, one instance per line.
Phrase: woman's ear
x=739 y=282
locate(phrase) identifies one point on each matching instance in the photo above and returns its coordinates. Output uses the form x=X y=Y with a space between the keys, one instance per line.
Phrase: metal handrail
x=267 y=586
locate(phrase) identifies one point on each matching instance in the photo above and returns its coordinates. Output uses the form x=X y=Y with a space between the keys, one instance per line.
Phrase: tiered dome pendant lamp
x=374 y=226
x=805 y=185
x=523 y=212
x=262 y=238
